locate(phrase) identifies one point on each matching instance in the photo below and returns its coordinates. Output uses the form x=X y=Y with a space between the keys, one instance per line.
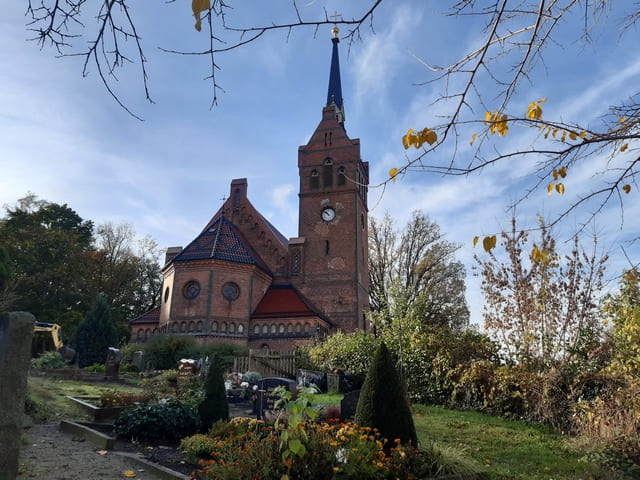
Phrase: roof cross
x=335 y=16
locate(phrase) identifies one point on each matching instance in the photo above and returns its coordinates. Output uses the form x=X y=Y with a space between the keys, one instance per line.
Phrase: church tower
x=329 y=259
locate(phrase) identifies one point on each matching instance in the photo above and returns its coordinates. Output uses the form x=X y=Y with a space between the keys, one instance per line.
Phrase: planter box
x=98 y=413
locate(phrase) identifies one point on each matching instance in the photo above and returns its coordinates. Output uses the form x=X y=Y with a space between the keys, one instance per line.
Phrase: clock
x=328 y=214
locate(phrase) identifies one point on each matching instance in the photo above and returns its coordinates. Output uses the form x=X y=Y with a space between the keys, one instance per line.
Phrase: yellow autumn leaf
x=199 y=6
x=550 y=188
x=473 y=139
x=572 y=135
x=392 y=173
x=406 y=140
x=487 y=116
x=555 y=174
x=535 y=254
x=562 y=172
x=624 y=147
x=488 y=243
x=626 y=188
x=431 y=137
x=554 y=132
x=583 y=134
x=475 y=240
x=564 y=136
x=129 y=473
x=503 y=128
x=623 y=119
x=560 y=188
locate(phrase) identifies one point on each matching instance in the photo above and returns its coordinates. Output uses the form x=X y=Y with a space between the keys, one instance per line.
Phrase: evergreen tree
x=214 y=406
x=383 y=403
x=96 y=334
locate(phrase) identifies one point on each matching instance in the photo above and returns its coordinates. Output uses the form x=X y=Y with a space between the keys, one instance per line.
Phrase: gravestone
x=348 y=405
x=306 y=378
x=187 y=371
x=265 y=401
x=112 y=365
x=16 y=332
x=138 y=361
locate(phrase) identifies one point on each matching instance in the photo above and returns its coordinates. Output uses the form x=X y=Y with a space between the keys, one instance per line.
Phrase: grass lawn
x=507 y=449
x=50 y=396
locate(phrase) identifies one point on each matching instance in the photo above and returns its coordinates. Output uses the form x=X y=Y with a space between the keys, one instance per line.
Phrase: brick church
x=240 y=281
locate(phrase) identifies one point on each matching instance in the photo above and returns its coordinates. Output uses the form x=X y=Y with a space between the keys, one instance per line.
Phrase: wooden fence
x=268 y=363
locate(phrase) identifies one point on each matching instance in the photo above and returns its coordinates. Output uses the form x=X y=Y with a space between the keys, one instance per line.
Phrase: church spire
x=334 y=93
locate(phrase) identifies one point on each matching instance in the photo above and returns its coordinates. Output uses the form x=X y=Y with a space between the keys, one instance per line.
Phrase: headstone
x=112 y=365
x=348 y=405
x=306 y=378
x=16 y=332
x=265 y=401
x=187 y=371
x=138 y=360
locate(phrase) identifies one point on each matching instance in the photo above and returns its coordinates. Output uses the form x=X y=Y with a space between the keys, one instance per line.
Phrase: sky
x=63 y=138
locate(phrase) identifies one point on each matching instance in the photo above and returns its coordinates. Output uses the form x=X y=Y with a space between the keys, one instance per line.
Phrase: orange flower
x=288 y=462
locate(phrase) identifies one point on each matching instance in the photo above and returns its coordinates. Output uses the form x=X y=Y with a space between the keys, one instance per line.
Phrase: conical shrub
x=214 y=407
x=383 y=404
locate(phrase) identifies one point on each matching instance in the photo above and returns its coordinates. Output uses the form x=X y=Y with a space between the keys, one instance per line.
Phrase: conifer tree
x=214 y=406
x=383 y=403
x=96 y=334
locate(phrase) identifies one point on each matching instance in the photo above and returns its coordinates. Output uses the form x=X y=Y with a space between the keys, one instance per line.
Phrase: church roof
x=221 y=241
x=334 y=93
x=150 y=317
x=285 y=301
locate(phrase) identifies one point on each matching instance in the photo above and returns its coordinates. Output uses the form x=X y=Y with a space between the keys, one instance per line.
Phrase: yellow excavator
x=48 y=335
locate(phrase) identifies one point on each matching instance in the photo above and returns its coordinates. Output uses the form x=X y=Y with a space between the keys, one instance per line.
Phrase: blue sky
x=63 y=138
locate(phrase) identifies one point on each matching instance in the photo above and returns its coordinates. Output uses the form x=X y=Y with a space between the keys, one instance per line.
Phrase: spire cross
x=335 y=16
x=223 y=198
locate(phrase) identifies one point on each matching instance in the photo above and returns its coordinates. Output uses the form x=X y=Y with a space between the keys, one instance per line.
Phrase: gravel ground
x=48 y=453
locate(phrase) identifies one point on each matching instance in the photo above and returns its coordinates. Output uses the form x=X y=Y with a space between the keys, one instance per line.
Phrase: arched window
x=342 y=179
x=199 y=326
x=166 y=294
x=327 y=173
x=214 y=327
x=140 y=334
x=241 y=328
x=155 y=330
x=223 y=327
x=232 y=327
x=295 y=262
x=298 y=328
x=183 y=327
x=281 y=328
x=273 y=328
x=314 y=180
x=147 y=333
x=256 y=329
x=290 y=328
x=307 y=328
x=175 y=327
x=265 y=329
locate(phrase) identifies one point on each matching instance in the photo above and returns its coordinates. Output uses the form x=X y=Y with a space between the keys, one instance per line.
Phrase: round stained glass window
x=191 y=289
x=230 y=291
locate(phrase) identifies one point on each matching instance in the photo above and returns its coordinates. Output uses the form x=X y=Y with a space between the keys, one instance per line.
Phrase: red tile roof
x=150 y=317
x=284 y=301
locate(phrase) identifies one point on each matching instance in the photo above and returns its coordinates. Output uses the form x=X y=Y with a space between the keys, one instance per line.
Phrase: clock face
x=328 y=214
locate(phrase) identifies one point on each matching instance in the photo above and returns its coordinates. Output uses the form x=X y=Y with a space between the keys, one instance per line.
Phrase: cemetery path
x=48 y=453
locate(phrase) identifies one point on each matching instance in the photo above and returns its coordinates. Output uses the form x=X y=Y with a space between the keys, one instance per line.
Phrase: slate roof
x=284 y=301
x=221 y=241
x=150 y=317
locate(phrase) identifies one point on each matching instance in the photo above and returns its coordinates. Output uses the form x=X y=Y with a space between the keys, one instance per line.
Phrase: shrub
x=165 y=351
x=95 y=368
x=383 y=404
x=345 y=351
x=214 y=407
x=114 y=398
x=197 y=446
x=251 y=377
x=49 y=360
x=163 y=421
